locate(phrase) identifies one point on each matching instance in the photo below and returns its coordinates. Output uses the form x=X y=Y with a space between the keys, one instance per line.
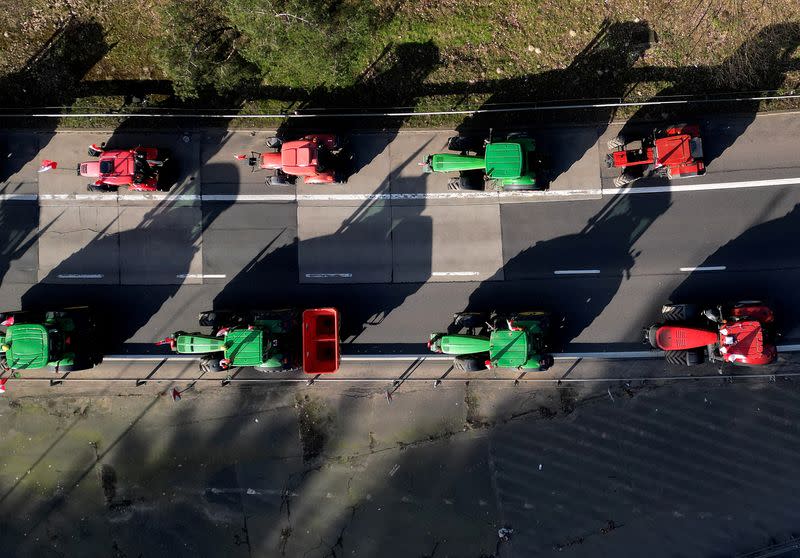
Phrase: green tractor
x=269 y=341
x=507 y=165
x=61 y=340
x=479 y=341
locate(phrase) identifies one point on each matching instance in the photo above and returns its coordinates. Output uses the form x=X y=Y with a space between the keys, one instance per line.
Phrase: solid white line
x=455 y=273
x=326 y=275
x=576 y=272
x=706 y=268
x=18 y=197
x=675 y=188
x=200 y=276
x=421 y=196
x=80 y=276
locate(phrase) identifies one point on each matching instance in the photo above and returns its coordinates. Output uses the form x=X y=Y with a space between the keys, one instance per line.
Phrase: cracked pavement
x=434 y=472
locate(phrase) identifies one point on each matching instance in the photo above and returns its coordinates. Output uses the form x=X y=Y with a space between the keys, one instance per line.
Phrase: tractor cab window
x=106 y=166
x=55 y=344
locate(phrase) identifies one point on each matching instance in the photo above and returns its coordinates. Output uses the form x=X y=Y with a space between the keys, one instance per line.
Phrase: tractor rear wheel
x=625 y=178
x=469 y=363
x=616 y=143
x=679 y=312
x=520 y=187
x=278 y=179
x=270 y=369
x=469 y=320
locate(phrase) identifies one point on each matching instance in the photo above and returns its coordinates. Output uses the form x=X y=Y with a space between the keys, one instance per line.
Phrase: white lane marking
x=702 y=187
x=576 y=272
x=18 y=197
x=670 y=188
x=249 y=197
x=200 y=276
x=80 y=276
x=329 y=275
x=706 y=268
x=455 y=273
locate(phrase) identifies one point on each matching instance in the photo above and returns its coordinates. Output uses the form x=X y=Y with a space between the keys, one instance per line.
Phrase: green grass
x=427 y=54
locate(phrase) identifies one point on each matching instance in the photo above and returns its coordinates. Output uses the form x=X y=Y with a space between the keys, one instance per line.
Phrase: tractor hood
x=449 y=162
x=27 y=346
x=271 y=160
x=682 y=338
x=458 y=344
x=90 y=169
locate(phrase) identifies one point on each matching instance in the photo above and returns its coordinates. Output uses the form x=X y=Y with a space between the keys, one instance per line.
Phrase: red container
x=321 y=341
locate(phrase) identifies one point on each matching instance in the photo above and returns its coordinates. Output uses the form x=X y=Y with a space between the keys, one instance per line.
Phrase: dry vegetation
x=495 y=50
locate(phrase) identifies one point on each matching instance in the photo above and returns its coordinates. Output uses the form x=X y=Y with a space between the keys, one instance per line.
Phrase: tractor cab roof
x=504 y=160
x=299 y=158
x=508 y=349
x=244 y=347
x=28 y=346
x=673 y=150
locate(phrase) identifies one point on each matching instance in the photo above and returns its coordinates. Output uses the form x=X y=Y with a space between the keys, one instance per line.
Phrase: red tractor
x=674 y=152
x=138 y=168
x=317 y=158
x=740 y=333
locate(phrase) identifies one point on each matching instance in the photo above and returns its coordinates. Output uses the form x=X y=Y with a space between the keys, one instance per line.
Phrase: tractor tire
x=692 y=357
x=464 y=143
x=211 y=363
x=269 y=369
x=616 y=143
x=469 y=363
x=277 y=180
x=627 y=177
x=274 y=142
x=679 y=312
x=520 y=188
x=207 y=318
x=66 y=368
x=469 y=320
x=97 y=188
x=467 y=181
x=546 y=362
x=95 y=152
x=518 y=135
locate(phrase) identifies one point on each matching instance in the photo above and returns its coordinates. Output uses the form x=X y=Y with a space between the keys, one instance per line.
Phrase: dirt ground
x=680 y=470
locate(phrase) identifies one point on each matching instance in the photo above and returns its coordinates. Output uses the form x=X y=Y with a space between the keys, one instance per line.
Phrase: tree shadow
x=154 y=248
x=759 y=266
x=759 y=66
x=604 y=249
x=395 y=78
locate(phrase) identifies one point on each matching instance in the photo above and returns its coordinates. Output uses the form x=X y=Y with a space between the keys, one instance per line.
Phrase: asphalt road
x=395 y=250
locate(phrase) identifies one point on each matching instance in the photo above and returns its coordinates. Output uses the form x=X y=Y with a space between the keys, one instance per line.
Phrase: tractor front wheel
x=469 y=320
x=679 y=312
x=692 y=357
x=469 y=363
x=211 y=363
x=274 y=142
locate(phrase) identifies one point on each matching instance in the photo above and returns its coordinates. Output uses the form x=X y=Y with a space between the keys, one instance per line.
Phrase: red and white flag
x=47 y=165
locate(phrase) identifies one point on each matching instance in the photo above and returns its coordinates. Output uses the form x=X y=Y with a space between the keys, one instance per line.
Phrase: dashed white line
x=200 y=276
x=706 y=268
x=80 y=275
x=576 y=272
x=329 y=275
x=455 y=273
